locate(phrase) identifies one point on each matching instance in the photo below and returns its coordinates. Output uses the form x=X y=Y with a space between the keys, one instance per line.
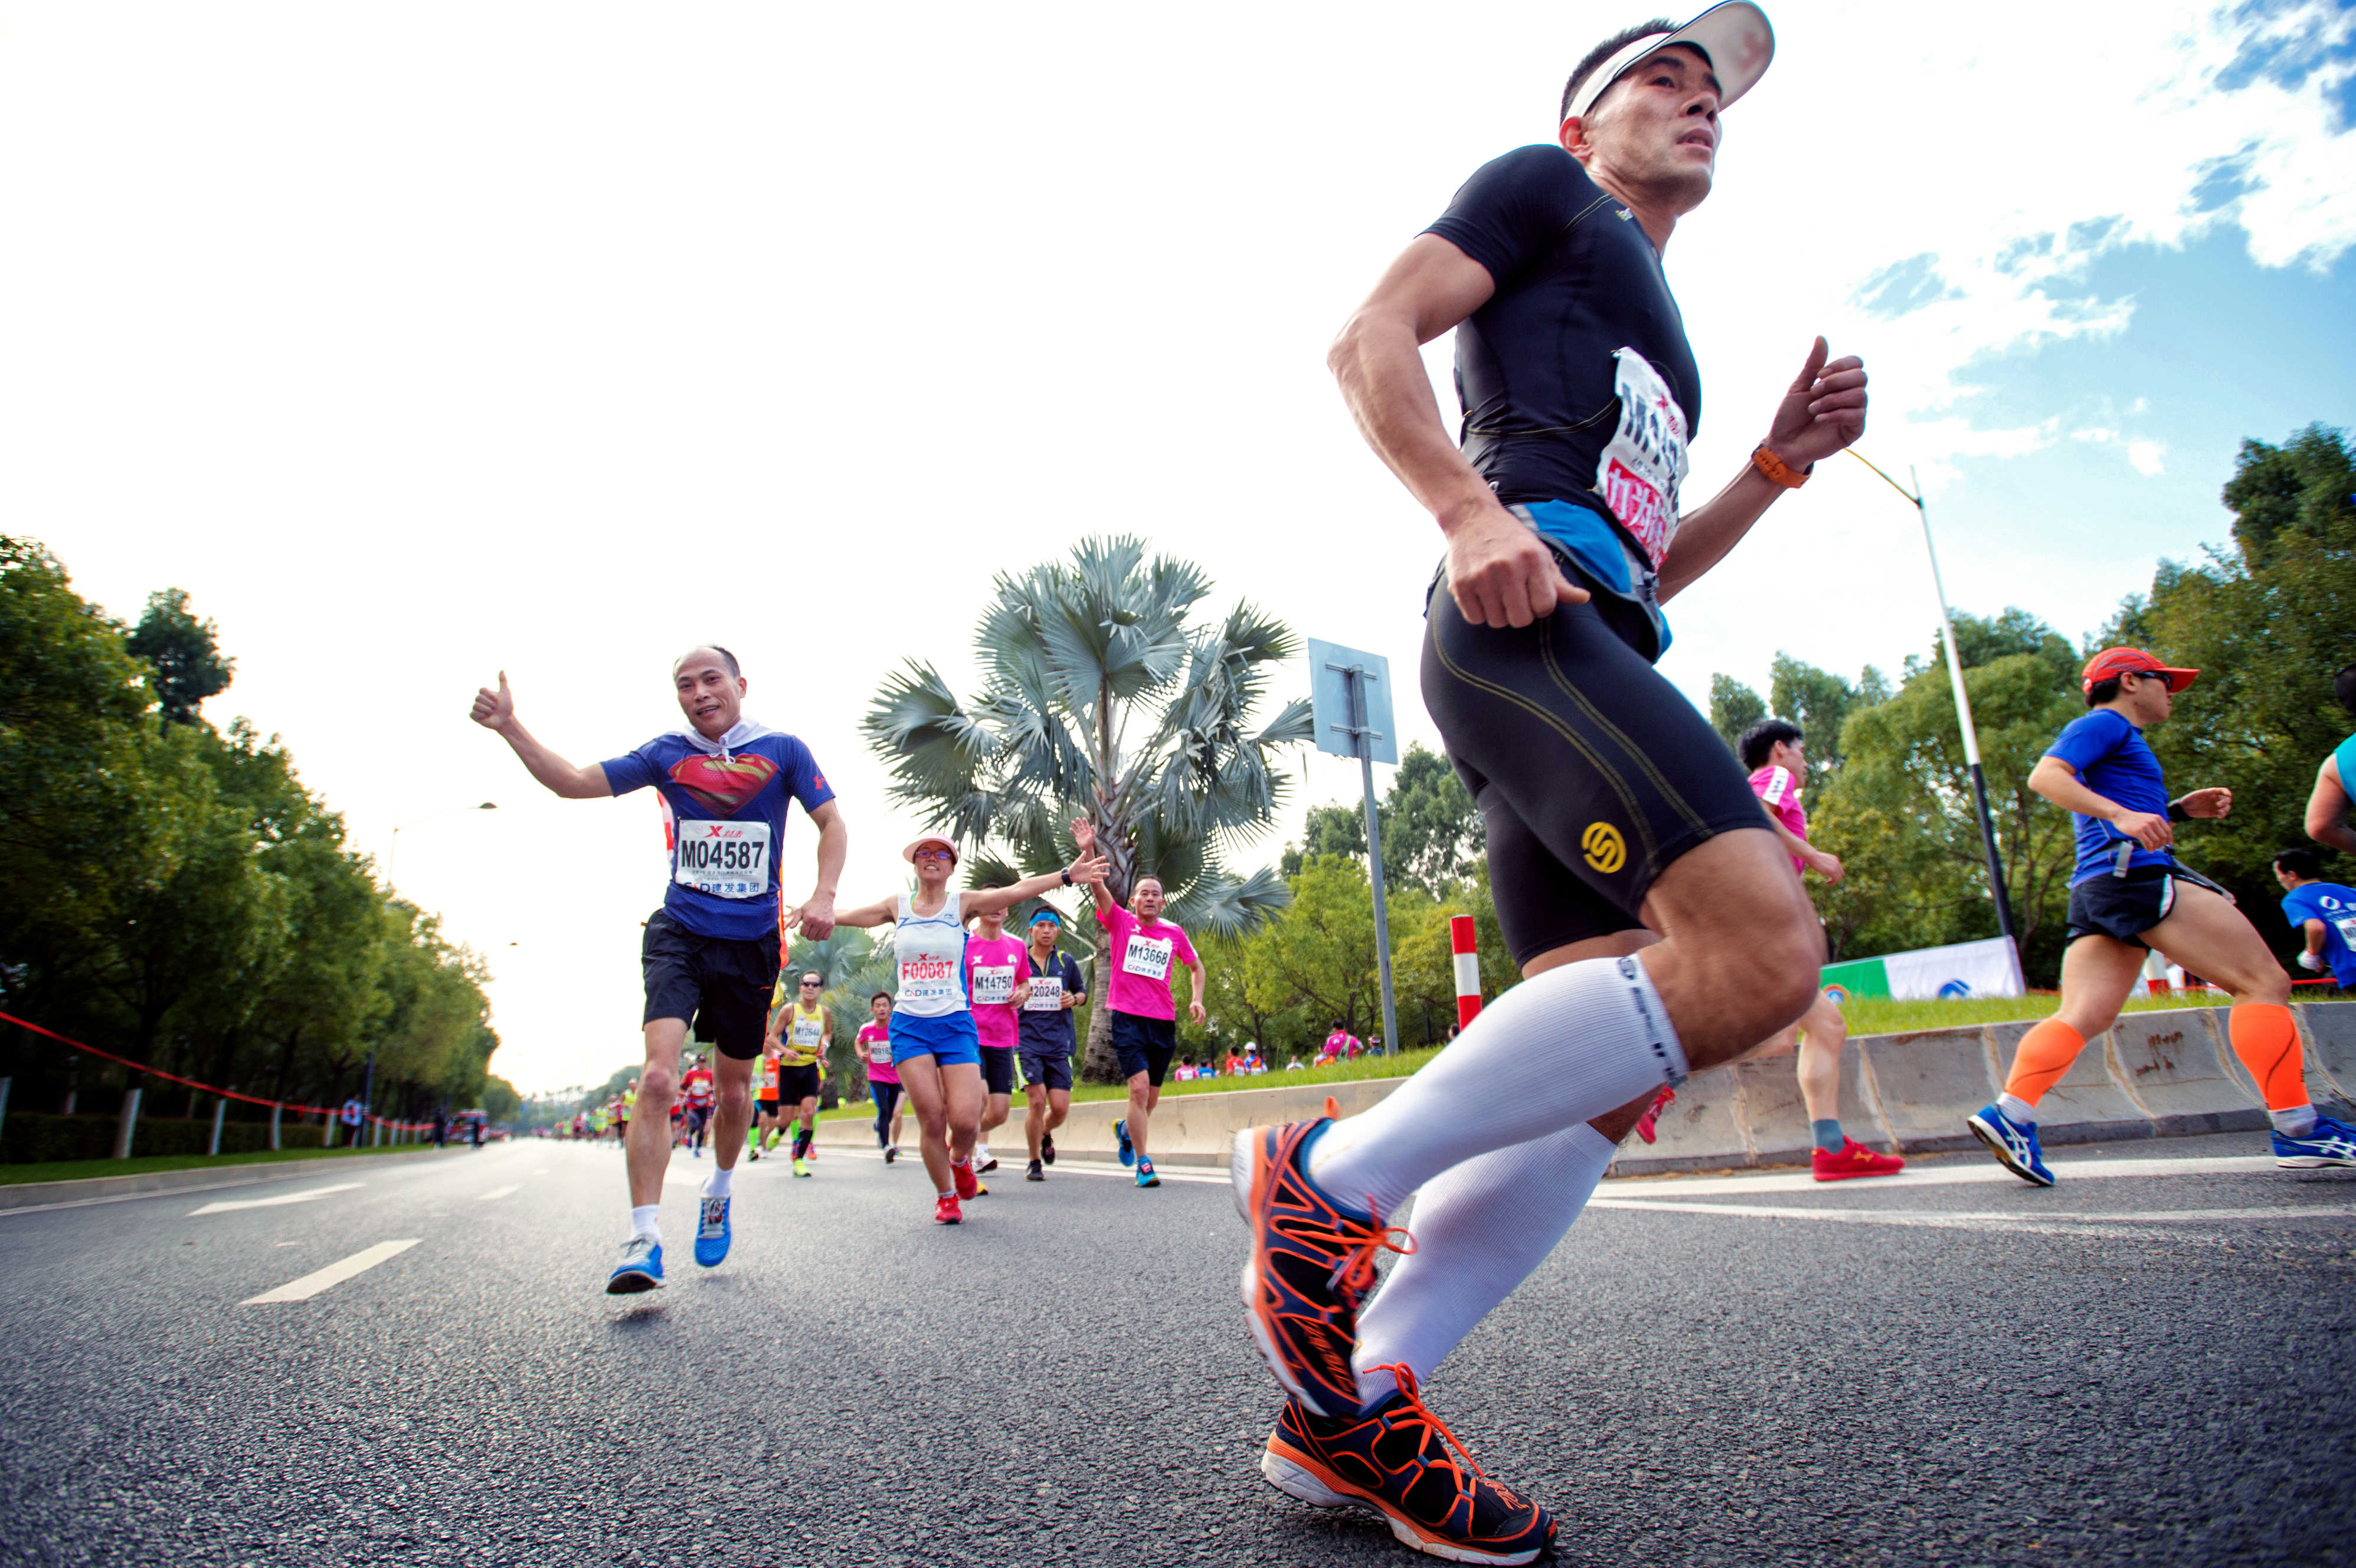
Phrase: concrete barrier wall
x=2157 y=1074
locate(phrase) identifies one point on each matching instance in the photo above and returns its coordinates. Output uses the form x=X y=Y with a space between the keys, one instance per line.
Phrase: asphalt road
x=2150 y=1366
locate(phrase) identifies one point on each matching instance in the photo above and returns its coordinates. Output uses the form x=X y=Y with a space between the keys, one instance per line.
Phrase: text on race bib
x=1046 y=994
x=809 y=1033
x=1148 y=956
x=879 y=1052
x=2346 y=925
x=927 y=978
x=1639 y=472
x=993 y=984
x=726 y=860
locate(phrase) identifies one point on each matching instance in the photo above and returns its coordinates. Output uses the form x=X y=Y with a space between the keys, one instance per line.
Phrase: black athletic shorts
x=721 y=983
x=998 y=1069
x=765 y=1107
x=2122 y=908
x=698 y=1118
x=1144 y=1045
x=796 y=1084
x=1592 y=773
x=1050 y=1067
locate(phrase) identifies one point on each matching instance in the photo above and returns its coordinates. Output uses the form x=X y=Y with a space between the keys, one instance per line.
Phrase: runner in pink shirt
x=1776 y=753
x=1141 y=947
x=997 y=979
x=883 y=1078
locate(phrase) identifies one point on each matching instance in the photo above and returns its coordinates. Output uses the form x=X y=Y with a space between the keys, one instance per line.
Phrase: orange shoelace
x=1404 y=1375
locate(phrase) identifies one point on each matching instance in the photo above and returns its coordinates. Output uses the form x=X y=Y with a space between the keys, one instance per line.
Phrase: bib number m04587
x=726 y=860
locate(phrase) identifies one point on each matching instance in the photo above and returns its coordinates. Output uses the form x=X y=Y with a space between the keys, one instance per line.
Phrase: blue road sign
x=1350 y=694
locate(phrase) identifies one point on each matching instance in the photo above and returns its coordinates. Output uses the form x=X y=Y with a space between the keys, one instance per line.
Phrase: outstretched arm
x=1084 y=833
x=1088 y=868
x=495 y=710
x=866 y=916
x=2327 y=809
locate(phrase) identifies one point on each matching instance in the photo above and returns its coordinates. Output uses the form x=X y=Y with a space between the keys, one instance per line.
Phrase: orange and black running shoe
x=1309 y=1266
x=1399 y=1460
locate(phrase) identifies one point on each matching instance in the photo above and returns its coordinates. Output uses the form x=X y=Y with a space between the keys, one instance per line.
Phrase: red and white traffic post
x=1465 y=942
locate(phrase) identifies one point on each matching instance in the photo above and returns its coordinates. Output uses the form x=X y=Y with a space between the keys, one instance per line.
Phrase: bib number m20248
x=726 y=860
x=1638 y=473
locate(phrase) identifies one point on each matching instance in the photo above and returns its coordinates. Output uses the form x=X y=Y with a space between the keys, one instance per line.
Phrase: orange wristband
x=1773 y=466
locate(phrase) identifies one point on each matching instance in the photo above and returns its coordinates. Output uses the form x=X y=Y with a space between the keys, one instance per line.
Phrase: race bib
x=926 y=979
x=769 y=1079
x=993 y=984
x=879 y=1052
x=1148 y=956
x=726 y=860
x=809 y=1033
x=1639 y=472
x=1046 y=994
x=2346 y=925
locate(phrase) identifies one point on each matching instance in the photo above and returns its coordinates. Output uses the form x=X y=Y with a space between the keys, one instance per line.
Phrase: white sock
x=2297 y=1122
x=643 y=1225
x=717 y=1184
x=2017 y=1110
x=980 y=1153
x=1554 y=1051
x=1480 y=1227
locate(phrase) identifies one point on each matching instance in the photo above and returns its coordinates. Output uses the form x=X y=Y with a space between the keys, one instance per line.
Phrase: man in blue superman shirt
x=711 y=951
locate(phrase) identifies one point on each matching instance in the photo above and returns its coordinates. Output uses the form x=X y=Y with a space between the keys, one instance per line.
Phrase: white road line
x=335 y=1273
x=494 y=1192
x=2117 y=1225
x=1074 y=1167
x=1958 y=1175
x=305 y=1196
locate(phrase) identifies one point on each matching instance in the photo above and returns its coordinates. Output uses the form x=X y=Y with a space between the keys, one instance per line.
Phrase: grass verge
x=80 y=1170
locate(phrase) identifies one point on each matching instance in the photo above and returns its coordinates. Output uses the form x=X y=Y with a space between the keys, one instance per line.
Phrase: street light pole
x=1962 y=706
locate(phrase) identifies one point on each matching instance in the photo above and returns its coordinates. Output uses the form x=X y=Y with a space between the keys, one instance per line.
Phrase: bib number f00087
x=1638 y=473
x=1148 y=956
x=726 y=860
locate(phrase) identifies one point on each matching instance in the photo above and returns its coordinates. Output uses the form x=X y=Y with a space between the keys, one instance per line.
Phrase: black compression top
x=1576 y=279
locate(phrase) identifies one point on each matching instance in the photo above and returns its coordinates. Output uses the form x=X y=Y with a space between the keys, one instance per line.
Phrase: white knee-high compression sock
x=1480 y=1229
x=1557 y=1048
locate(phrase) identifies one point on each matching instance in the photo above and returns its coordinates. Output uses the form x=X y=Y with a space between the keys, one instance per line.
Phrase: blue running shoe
x=1128 y=1149
x=2331 y=1143
x=712 y=1232
x=641 y=1268
x=2014 y=1146
x=1145 y=1177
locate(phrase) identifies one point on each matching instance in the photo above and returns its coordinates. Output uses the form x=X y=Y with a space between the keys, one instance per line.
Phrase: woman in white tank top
x=933 y=1042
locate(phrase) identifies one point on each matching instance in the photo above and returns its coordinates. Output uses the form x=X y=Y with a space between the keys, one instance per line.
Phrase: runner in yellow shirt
x=798 y=1032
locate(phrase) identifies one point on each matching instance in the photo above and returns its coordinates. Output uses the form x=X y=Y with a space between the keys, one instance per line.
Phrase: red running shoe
x=946 y=1211
x=1647 y=1124
x=966 y=1183
x=1399 y=1460
x=1309 y=1268
x=1854 y=1160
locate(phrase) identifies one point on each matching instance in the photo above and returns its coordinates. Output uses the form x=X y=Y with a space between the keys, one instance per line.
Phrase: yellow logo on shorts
x=1604 y=847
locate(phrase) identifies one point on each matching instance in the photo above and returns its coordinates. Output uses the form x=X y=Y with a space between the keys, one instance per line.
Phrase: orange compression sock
x=2267 y=1040
x=2044 y=1054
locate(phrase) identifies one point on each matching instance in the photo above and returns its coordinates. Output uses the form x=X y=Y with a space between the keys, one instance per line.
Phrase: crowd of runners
x=1648 y=882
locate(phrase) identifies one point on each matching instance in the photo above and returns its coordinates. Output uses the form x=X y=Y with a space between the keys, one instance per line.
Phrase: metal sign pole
x=1359 y=737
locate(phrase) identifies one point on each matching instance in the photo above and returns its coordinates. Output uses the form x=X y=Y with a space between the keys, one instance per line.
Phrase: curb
x=98 y=1189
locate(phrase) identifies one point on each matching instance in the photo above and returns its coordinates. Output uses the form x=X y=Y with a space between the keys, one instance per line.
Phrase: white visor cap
x=1735 y=35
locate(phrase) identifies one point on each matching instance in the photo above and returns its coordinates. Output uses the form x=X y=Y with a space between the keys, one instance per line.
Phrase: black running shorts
x=721 y=983
x=1592 y=773
x=1050 y=1067
x=2122 y=908
x=796 y=1084
x=998 y=1069
x=1144 y=1045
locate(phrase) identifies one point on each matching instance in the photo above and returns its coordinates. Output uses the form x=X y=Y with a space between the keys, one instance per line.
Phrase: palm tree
x=1098 y=700
x=855 y=964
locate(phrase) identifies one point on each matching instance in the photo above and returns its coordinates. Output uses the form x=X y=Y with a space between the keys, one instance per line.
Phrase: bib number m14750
x=726 y=860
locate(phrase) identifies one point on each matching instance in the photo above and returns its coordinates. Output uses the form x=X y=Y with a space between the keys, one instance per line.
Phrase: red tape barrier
x=193 y=1083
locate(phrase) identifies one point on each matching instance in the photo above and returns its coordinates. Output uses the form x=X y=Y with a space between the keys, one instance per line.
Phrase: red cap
x=2132 y=661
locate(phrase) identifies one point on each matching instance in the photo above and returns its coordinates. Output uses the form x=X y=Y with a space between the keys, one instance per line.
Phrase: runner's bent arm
x=1823 y=410
x=1500 y=572
x=2058 y=782
x=2312 y=931
x=1196 y=971
x=815 y=917
x=2327 y=809
x=495 y=710
x=1822 y=862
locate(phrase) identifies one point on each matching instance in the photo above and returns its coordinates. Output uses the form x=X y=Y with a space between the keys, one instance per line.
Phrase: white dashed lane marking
x=335 y=1273
x=306 y=1196
x=494 y=1192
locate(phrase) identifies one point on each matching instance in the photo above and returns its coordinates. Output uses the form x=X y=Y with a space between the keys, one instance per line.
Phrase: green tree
x=1819 y=702
x=1100 y=698
x=853 y=965
x=1733 y=708
x=1433 y=831
x=184 y=654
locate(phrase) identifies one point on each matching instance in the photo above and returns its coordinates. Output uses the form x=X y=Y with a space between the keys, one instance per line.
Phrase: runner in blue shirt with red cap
x=710 y=954
x=2128 y=894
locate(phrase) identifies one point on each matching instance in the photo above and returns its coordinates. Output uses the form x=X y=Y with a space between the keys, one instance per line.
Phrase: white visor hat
x=1735 y=35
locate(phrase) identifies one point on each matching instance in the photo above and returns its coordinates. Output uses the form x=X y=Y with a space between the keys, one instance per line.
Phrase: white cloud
x=2146 y=457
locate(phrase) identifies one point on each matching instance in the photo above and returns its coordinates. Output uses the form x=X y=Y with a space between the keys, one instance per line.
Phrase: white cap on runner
x=1734 y=35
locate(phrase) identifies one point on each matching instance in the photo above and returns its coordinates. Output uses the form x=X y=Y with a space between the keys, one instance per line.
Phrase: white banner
x=1987 y=968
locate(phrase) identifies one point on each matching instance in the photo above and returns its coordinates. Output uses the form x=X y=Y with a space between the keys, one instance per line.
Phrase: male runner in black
x=1658 y=922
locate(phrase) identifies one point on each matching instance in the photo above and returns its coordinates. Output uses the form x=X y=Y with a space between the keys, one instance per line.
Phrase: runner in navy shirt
x=2130 y=894
x=709 y=954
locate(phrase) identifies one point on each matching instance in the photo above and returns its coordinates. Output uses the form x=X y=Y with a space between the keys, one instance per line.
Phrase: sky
x=422 y=343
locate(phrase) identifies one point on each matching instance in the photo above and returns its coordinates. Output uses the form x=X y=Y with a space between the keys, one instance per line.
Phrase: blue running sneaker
x=712 y=1232
x=2014 y=1146
x=1145 y=1177
x=2331 y=1143
x=641 y=1268
x=1128 y=1149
